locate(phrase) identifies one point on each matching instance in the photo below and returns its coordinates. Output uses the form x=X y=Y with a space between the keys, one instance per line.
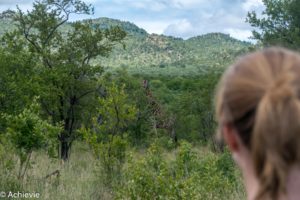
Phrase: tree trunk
x=64 y=150
x=173 y=135
x=64 y=146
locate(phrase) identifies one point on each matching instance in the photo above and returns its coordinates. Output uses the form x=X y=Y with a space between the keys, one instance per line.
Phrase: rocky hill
x=159 y=54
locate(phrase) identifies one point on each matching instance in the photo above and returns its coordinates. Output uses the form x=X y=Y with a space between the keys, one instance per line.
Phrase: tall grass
x=81 y=178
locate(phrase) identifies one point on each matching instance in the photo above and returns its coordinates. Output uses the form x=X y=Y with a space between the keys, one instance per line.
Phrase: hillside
x=158 y=54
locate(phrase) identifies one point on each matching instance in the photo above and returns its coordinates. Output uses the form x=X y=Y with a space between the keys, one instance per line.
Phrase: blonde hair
x=259 y=95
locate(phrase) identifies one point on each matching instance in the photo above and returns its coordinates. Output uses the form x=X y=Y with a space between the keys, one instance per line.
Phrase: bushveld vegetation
x=100 y=109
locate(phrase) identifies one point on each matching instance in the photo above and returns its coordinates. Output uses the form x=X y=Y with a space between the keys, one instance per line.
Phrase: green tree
x=67 y=79
x=17 y=82
x=28 y=132
x=107 y=136
x=139 y=128
x=193 y=108
x=279 y=24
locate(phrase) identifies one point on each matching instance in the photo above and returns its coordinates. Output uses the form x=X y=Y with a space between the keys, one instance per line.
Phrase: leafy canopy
x=66 y=79
x=279 y=24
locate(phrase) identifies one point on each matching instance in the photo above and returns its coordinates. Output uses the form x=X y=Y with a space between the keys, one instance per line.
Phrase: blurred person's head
x=258 y=111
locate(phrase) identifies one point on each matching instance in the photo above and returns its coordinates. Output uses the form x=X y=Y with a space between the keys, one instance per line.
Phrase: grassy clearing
x=81 y=177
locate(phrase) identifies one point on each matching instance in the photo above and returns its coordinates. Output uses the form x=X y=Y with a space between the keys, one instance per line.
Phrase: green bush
x=28 y=132
x=174 y=84
x=107 y=137
x=156 y=84
x=187 y=177
x=165 y=141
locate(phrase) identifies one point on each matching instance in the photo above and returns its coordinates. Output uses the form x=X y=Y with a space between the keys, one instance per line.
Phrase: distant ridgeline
x=153 y=54
x=130 y=28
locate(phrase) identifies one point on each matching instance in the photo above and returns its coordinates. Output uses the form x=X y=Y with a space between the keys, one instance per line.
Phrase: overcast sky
x=179 y=18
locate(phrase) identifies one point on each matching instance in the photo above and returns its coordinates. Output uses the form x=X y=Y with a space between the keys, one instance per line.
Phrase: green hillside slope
x=158 y=54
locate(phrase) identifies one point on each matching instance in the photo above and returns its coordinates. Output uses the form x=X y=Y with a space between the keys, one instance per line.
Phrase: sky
x=178 y=18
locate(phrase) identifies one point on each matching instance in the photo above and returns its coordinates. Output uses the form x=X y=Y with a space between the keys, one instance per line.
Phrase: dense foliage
x=188 y=176
x=107 y=134
x=28 y=132
x=279 y=24
x=67 y=82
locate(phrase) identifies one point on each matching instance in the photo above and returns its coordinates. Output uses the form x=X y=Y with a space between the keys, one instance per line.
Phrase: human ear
x=231 y=137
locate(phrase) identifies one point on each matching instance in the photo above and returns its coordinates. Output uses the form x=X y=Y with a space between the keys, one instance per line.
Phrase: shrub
x=188 y=177
x=107 y=136
x=28 y=132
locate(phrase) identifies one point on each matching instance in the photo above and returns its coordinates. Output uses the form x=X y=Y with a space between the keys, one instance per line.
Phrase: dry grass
x=77 y=178
x=80 y=178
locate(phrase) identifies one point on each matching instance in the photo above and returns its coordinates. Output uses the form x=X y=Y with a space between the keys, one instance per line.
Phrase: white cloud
x=159 y=5
x=182 y=28
x=152 y=5
x=10 y=1
x=185 y=3
x=252 y=4
x=239 y=33
x=23 y=7
x=146 y=5
x=178 y=28
x=90 y=1
x=157 y=27
x=13 y=3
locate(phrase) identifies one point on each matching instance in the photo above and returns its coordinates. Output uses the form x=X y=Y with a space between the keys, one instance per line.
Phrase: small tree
x=279 y=25
x=107 y=136
x=28 y=132
x=62 y=54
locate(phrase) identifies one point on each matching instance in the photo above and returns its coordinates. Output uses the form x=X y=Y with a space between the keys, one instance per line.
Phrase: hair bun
x=282 y=89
